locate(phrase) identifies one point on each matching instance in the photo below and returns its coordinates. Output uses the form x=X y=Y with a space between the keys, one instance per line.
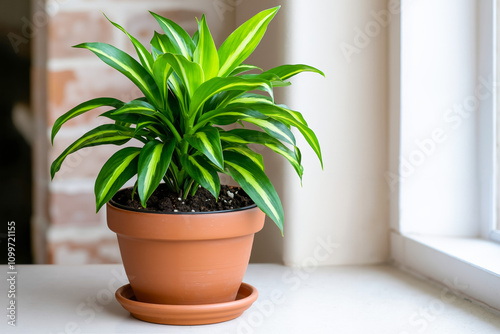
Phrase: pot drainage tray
x=187 y=314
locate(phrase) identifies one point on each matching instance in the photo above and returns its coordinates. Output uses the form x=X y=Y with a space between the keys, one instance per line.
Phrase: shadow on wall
x=15 y=166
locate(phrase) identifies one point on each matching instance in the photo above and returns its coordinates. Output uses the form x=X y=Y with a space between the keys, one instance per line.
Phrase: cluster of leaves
x=191 y=89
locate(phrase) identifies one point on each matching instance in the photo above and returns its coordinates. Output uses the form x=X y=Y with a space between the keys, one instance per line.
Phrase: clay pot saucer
x=187 y=314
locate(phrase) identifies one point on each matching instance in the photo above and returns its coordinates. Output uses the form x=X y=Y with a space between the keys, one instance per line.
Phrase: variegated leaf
x=288 y=117
x=82 y=108
x=244 y=136
x=161 y=73
x=144 y=56
x=243 y=41
x=154 y=160
x=256 y=184
x=206 y=140
x=128 y=66
x=161 y=44
x=287 y=71
x=189 y=72
x=243 y=68
x=216 y=85
x=200 y=169
x=205 y=53
x=101 y=135
x=120 y=168
x=274 y=128
x=179 y=38
x=244 y=150
x=230 y=115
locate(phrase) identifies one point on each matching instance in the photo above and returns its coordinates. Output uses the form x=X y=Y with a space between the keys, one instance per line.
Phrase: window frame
x=465 y=265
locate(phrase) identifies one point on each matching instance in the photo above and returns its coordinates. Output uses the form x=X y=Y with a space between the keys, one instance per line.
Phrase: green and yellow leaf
x=161 y=73
x=101 y=135
x=128 y=66
x=216 y=85
x=245 y=136
x=120 y=168
x=206 y=140
x=154 y=160
x=160 y=43
x=256 y=184
x=243 y=41
x=179 y=38
x=243 y=68
x=200 y=169
x=190 y=73
x=274 y=128
x=244 y=150
x=205 y=53
x=82 y=108
x=287 y=71
x=144 y=56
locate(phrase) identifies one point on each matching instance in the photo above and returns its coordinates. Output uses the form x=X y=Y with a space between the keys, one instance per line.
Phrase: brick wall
x=66 y=228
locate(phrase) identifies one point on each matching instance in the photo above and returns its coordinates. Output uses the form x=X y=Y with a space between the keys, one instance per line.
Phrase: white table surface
x=365 y=299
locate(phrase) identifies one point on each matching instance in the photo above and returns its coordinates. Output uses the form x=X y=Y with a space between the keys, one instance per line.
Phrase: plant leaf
x=145 y=110
x=274 y=128
x=293 y=118
x=288 y=117
x=138 y=107
x=287 y=71
x=162 y=44
x=206 y=52
x=256 y=184
x=144 y=56
x=180 y=39
x=120 y=168
x=128 y=66
x=154 y=160
x=82 y=108
x=190 y=73
x=229 y=115
x=274 y=79
x=244 y=150
x=101 y=135
x=216 y=85
x=244 y=136
x=161 y=74
x=243 y=68
x=200 y=169
x=207 y=141
x=243 y=41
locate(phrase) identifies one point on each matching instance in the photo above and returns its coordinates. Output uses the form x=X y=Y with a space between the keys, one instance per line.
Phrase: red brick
x=66 y=29
x=67 y=89
x=74 y=210
x=100 y=251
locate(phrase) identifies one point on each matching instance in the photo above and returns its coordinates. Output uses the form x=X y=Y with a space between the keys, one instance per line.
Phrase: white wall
x=340 y=215
x=440 y=96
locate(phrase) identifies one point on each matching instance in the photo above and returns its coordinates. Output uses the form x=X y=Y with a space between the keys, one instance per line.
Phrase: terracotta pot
x=185 y=258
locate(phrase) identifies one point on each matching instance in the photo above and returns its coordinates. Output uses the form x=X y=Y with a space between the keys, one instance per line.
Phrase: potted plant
x=180 y=261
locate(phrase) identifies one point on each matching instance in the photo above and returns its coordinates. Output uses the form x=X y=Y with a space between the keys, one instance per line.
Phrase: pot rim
x=127 y=208
x=138 y=224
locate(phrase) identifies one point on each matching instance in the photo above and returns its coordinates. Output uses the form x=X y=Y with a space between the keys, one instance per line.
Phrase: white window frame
x=465 y=262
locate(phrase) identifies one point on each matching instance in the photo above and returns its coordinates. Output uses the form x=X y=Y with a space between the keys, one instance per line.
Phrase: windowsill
x=481 y=253
x=358 y=299
x=450 y=261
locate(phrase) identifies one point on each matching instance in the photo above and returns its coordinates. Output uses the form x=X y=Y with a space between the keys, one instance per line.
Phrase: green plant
x=190 y=89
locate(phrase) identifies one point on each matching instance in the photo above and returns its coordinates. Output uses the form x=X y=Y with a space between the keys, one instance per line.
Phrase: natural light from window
x=444 y=207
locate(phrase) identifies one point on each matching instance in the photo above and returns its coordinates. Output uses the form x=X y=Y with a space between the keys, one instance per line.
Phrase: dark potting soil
x=164 y=201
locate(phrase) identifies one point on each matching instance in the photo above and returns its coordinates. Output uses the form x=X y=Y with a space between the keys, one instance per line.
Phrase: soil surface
x=163 y=201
